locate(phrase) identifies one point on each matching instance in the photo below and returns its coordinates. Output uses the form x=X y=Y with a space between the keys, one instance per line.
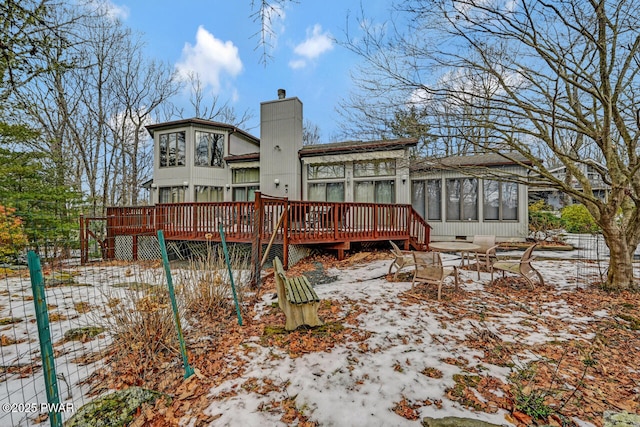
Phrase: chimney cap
x=282 y=94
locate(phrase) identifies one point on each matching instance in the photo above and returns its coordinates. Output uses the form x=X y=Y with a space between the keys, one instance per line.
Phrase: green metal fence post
x=44 y=335
x=188 y=370
x=233 y=286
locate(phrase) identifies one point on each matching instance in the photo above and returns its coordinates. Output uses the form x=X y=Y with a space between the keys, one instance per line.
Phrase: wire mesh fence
x=104 y=312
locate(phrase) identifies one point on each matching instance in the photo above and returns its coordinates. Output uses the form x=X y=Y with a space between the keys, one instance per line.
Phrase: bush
x=12 y=236
x=577 y=219
x=541 y=221
x=205 y=285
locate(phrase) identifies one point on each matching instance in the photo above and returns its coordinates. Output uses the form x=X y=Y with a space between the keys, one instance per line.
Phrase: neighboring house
x=198 y=160
x=594 y=172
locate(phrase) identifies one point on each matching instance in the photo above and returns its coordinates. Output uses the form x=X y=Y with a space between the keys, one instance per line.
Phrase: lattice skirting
x=149 y=249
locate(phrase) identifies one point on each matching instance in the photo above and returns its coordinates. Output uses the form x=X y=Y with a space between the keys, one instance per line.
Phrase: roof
x=356 y=146
x=196 y=121
x=242 y=157
x=484 y=160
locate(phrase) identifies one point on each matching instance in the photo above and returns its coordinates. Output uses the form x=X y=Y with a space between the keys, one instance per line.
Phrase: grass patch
x=84 y=334
x=432 y=372
x=9 y=320
x=5 y=340
x=135 y=286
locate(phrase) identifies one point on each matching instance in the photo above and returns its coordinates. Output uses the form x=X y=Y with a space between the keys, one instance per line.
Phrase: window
x=374 y=168
x=209 y=149
x=172 y=149
x=500 y=200
x=462 y=199
x=330 y=170
x=326 y=192
x=245 y=193
x=171 y=194
x=417 y=197
x=375 y=191
x=434 y=200
x=205 y=193
x=241 y=176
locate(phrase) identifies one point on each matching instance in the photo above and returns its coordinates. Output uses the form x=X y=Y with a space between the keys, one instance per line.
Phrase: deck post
x=84 y=255
x=285 y=235
x=256 y=245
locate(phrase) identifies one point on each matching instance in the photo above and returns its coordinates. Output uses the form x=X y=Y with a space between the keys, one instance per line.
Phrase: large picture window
x=324 y=171
x=209 y=149
x=245 y=193
x=204 y=193
x=434 y=200
x=384 y=167
x=462 y=199
x=375 y=191
x=417 y=197
x=326 y=192
x=500 y=200
x=427 y=193
x=172 y=149
x=171 y=194
x=241 y=176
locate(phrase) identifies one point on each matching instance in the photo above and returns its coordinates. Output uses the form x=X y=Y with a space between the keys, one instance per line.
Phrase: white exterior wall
x=503 y=230
x=280 y=141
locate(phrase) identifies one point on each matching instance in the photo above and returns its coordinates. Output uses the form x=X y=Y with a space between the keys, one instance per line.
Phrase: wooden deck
x=332 y=225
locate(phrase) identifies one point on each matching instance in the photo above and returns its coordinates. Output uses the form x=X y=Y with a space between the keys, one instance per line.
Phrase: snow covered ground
x=345 y=386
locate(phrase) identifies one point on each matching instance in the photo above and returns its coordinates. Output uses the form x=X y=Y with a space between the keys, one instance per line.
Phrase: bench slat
x=300 y=291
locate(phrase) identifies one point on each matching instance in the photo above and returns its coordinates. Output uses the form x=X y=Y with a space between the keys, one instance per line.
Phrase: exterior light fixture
x=404 y=178
x=185 y=183
x=228 y=187
x=276 y=182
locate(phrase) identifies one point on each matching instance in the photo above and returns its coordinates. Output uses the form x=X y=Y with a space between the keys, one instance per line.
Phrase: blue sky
x=216 y=40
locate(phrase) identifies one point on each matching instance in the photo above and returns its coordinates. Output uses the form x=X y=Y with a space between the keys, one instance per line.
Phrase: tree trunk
x=620 y=274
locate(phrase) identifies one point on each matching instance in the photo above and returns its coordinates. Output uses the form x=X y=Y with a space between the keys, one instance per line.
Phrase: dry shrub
x=140 y=319
x=205 y=286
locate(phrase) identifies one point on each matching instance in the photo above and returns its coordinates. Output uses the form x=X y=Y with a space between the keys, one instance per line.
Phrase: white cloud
x=115 y=11
x=297 y=63
x=316 y=43
x=210 y=59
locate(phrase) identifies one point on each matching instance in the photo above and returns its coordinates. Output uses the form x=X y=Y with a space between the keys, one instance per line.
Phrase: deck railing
x=299 y=221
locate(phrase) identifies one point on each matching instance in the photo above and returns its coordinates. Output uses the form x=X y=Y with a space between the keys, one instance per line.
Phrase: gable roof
x=356 y=147
x=202 y=122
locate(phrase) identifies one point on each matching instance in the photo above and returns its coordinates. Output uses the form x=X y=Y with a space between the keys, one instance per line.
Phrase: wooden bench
x=297 y=298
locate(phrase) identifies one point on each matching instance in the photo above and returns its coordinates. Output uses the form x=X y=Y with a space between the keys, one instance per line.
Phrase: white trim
x=351 y=157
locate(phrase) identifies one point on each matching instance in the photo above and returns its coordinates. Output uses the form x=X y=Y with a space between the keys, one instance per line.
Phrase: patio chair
x=401 y=259
x=487 y=252
x=521 y=267
x=429 y=269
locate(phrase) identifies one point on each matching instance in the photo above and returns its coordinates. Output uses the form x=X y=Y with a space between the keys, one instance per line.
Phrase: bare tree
x=310 y=133
x=265 y=12
x=215 y=110
x=92 y=112
x=526 y=79
x=141 y=86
